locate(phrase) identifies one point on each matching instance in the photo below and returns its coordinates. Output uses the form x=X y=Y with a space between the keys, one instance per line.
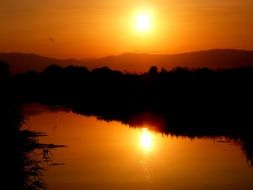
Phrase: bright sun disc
x=143 y=22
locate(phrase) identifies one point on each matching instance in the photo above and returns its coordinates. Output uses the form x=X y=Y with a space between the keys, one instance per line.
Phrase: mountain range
x=138 y=63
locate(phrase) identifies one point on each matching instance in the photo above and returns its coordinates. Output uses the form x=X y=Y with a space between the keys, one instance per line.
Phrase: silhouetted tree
x=75 y=72
x=53 y=72
x=153 y=70
x=163 y=71
x=4 y=71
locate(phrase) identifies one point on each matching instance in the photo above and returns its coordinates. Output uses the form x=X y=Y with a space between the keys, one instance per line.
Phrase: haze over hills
x=129 y=62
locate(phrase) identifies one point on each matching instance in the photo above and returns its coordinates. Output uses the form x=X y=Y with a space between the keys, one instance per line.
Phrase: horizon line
x=124 y=53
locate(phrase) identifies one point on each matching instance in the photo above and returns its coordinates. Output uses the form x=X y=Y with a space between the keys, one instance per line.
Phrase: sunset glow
x=90 y=29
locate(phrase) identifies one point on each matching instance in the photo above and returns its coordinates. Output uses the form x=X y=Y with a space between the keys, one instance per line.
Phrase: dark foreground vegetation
x=23 y=156
x=183 y=102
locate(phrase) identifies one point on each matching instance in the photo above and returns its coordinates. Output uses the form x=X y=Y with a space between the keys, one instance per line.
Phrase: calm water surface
x=110 y=155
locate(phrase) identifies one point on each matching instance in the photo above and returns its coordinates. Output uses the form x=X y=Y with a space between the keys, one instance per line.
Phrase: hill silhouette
x=23 y=62
x=129 y=62
x=213 y=59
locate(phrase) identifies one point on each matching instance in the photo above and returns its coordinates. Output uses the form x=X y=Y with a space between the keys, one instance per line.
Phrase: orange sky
x=95 y=28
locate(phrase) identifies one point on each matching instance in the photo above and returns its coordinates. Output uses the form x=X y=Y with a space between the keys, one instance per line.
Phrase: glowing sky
x=91 y=28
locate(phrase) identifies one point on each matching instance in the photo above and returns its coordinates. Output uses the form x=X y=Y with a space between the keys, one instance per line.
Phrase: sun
x=143 y=22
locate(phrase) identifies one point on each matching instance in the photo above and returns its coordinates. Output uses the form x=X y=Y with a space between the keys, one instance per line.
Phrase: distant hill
x=214 y=59
x=22 y=62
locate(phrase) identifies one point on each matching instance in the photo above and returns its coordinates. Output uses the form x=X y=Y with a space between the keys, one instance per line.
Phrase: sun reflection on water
x=146 y=140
